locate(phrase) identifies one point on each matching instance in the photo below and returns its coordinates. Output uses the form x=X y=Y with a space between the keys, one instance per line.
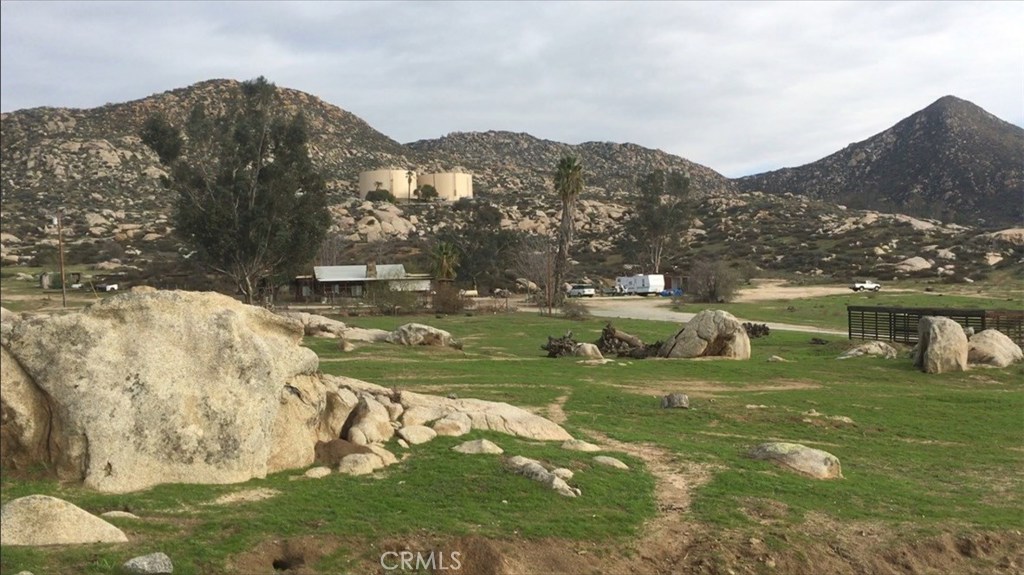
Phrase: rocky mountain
x=505 y=163
x=951 y=161
x=92 y=164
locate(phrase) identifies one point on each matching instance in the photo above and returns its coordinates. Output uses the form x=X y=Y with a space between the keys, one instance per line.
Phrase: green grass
x=830 y=311
x=925 y=452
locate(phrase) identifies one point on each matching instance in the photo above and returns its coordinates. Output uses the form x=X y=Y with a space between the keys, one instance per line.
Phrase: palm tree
x=568 y=185
x=445 y=257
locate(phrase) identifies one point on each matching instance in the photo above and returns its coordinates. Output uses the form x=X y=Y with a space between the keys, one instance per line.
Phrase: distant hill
x=508 y=162
x=952 y=161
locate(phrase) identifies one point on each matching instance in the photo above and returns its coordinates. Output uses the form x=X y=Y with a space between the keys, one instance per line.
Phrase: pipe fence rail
x=900 y=323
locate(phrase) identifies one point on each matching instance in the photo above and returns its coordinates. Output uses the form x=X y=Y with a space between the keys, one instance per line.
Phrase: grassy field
x=830 y=311
x=923 y=455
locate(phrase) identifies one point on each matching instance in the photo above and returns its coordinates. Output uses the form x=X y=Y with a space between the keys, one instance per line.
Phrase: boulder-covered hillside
x=92 y=164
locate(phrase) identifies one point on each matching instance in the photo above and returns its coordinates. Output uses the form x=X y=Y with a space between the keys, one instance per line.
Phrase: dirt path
x=661 y=546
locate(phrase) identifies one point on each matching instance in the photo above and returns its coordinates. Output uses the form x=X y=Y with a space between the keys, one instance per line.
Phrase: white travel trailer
x=640 y=284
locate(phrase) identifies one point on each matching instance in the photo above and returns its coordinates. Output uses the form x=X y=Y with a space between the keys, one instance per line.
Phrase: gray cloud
x=740 y=87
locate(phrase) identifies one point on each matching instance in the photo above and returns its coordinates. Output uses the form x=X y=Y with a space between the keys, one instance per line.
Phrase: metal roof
x=357 y=273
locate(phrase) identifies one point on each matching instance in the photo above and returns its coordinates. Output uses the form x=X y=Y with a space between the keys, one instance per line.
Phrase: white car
x=865 y=285
x=580 y=290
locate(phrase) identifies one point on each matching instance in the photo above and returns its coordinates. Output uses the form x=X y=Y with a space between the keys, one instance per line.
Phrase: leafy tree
x=162 y=138
x=660 y=217
x=249 y=200
x=428 y=192
x=380 y=195
x=568 y=186
x=712 y=282
x=485 y=250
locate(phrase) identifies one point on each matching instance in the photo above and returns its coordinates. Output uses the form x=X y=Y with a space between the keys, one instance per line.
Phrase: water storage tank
x=401 y=183
x=450 y=186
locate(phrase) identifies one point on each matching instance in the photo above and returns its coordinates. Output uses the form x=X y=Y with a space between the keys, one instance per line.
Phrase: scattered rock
x=587 y=350
x=914 y=264
x=532 y=469
x=417 y=434
x=878 y=348
x=360 y=464
x=246 y=495
x=562 y=473
x=711 y=333
x=942 y=345
x=419 y=334
x=152 y=564
x=580 y=445
x=372 y=423
x=993 y=347
x=805 y=460
x=119 y=515
x=44 y=520
x=610 y=462
x=453 y=425
x=330 y=453
x=675 y=400
x=478 y=446
x=777 y=359
x=317 y=472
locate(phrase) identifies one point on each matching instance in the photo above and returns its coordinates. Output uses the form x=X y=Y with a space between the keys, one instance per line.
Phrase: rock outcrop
x=150 y=388
x=711 y=333
x=422 y=409
x=161 y=387
x=942 y=345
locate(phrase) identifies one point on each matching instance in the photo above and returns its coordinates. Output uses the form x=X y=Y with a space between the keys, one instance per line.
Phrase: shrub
x=574 y=310
x=712 y=282
x=447 y=299
x=380 y=196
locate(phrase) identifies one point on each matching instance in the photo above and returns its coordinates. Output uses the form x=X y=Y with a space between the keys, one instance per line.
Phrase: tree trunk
x=630 y=340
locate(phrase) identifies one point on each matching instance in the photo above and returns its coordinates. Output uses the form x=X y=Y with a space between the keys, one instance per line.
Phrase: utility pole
x=60 y=250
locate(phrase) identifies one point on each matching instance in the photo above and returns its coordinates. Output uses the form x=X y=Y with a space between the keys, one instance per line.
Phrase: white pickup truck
x=580 y=290
x=865 y=285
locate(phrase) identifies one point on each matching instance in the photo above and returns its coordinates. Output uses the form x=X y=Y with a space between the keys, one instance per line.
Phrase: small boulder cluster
x=711 y=333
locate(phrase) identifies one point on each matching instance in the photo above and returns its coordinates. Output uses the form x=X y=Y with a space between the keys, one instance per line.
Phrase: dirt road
x=656 y=308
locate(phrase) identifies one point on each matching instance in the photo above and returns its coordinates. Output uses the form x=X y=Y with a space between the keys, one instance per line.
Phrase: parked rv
x=641 y=284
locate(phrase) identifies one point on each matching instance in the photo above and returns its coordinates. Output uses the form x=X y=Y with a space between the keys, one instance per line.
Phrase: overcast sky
x=739 y=87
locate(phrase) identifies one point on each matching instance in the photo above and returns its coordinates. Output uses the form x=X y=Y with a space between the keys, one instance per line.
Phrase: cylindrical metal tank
x=450 y=186
x=401 y=183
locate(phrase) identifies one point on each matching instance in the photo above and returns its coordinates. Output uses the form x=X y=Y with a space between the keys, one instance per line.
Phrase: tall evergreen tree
x=249 y=200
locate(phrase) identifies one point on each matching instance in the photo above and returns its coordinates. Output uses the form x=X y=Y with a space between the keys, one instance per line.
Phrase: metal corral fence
x=900 y=323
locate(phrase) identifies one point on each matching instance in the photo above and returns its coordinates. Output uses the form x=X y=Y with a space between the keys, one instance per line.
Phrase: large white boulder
x=162 y=387
x=993 y=347
x=941 y=347
x=800 y=458
x=711 y=333
x=45 y=520
x=420 y=334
